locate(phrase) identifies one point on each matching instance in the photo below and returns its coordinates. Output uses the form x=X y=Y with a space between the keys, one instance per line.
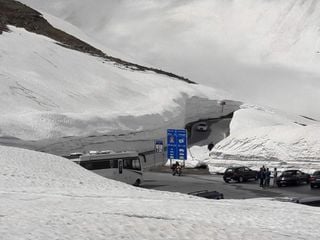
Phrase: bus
x=122 y=166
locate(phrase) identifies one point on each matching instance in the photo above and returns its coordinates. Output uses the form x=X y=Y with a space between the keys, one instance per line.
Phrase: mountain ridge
x=20 y=15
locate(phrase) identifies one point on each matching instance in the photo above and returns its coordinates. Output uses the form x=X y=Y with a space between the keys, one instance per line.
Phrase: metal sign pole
x=154 y=153
x=163 y=151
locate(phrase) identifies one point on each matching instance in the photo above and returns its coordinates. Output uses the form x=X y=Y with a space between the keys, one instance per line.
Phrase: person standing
x=267 y=180
x=261 y=177
x=275 y=175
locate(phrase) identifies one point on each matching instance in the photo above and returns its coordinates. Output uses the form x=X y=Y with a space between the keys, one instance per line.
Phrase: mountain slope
x=263 y=52
x=56 y=86
x=19 y=15
x=49 y=90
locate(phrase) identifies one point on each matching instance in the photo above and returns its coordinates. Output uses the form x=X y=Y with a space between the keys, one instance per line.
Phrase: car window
x=316 y=173
x=246 y=169
x=287 y=173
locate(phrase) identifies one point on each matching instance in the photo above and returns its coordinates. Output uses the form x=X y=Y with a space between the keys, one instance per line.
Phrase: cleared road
x=218 y=129
x=195 y=182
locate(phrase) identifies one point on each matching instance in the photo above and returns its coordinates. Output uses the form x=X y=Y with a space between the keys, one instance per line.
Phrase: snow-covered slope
x=261 y=136
x=265 y=52
x=47 y=197
x=51 y=91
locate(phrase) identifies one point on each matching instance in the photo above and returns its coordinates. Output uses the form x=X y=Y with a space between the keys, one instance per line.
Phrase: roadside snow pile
x=265 y=137
x=197 y=156
x=47 y=197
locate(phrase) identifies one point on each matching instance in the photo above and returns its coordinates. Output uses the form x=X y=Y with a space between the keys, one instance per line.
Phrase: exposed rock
x=19 y=15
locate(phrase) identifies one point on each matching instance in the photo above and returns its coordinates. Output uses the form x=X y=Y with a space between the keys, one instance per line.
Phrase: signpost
x=177 y=144
x=158 y=148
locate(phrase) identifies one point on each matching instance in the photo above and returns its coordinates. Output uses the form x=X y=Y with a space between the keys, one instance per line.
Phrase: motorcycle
x=177 y=170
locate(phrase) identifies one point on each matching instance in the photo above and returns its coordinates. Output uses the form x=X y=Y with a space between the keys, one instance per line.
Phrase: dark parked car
x=315 y=179
x=291 y=177
x=311 y=201
x=240 y=174
x=207 y=194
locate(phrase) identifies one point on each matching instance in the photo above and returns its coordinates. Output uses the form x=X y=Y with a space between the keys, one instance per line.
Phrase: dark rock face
x=19 y=15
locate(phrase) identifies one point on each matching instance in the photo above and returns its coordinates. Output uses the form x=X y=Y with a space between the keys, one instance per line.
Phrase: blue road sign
x=177 y=144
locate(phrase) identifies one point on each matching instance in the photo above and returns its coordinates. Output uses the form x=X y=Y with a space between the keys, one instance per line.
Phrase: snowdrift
x=266 y=137
x=47 y=197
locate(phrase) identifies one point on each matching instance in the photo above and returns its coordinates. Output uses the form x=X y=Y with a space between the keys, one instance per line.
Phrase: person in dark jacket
x=262 y=176
x=267 y=178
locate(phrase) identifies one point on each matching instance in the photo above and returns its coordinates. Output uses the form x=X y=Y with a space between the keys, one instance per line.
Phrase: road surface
x=164 y=181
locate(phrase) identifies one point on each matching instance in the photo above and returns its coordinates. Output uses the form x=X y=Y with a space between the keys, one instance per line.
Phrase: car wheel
x=311 y=186
x=137 y=183
x=226 y=181
x=241 y=179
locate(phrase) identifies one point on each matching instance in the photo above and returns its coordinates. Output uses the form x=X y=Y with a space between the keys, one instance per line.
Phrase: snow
x=47 y=197
x=260 y=136
x=45 y=97
x=197 y=156
x=261 y=51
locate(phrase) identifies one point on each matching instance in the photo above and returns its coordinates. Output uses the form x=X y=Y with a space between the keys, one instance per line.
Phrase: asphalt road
x=218 y=129
x=164 y=181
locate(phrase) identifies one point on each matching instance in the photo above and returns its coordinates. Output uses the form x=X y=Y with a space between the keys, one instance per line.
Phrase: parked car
x=310 y=201
x=291 y=177
x=315 y=179
x=240 y=174
x=207 y=194
x=202 y=127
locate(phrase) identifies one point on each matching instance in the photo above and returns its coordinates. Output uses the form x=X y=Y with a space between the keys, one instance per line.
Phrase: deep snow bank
x=260 y=136
x=47 y=197
x=48 y=91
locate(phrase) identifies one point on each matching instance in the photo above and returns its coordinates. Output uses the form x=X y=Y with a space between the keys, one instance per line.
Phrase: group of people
x=264 y=176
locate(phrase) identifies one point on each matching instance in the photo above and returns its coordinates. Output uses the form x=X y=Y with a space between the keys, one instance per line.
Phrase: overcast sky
x=263 y=52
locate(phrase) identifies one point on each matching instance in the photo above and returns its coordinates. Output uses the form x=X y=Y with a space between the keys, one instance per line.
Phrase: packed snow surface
x=260 y=136
x=47 y=197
